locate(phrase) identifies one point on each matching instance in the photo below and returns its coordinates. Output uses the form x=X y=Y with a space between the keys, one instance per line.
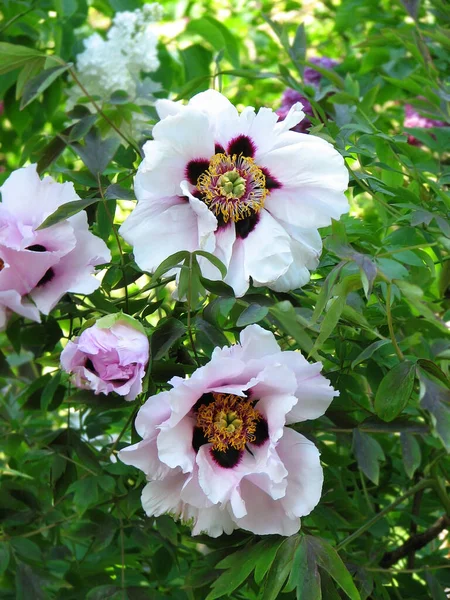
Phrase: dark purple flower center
x=229 y=423
x=232 y=185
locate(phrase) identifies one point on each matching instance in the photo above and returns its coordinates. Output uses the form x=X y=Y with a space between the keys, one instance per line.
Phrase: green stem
x=390 y=324
x=356 y=534
x=189 y=301
x=116 y=235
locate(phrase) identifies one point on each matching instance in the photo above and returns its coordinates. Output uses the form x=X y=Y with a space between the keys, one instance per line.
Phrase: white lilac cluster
x=116 y=63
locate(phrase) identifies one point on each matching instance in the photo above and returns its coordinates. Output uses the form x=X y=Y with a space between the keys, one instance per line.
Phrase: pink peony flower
x=110 y=356
x=238 y=185
x=217 y=450
x=37 y=267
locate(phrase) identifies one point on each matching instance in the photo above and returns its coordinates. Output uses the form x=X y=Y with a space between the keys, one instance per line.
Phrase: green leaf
x=164 y=337
x=97 y=153
x=49 y=390
x=217 y=287
x=4 y=557
x=266 y=556
x=369 y=352
x=436 y=400
x=411 y=453
x=252 y=314
x=239 y=565
x=280 y=568
x=285 y=316
x=395 y=391
x=67 y=210
x=304 y=576
x=171 y=262
x=368 y=453
x=329 y=559
x=28 y=583
x=40 y=83
x=13 y=56
x=116 y=191
x=214 y=260
x=326 y=291
x=330 y=320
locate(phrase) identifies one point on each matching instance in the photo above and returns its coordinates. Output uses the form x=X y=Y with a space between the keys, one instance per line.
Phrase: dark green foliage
x=375 y=313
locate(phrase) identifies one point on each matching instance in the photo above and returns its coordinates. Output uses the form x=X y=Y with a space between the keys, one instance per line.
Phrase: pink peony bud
x=110 y=356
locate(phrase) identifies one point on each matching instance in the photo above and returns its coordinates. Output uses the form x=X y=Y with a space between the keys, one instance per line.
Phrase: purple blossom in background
x=313 y=77
x=414 y=119
x=290 y=96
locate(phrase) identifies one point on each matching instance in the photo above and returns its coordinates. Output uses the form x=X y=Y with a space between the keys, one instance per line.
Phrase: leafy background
x=375 y=312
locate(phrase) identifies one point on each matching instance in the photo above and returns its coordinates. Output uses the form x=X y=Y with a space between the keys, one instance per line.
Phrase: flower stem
x=390 y=324
x=116 y=235
x=189 y=301
x=356 y=534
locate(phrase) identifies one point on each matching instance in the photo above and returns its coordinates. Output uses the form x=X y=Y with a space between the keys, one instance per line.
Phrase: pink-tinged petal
x=163 y=496
x=12 y=300
x=266 y=516
x=74 y=272
x=305 y=474
x=31 y=199
x=152 y=413
x=218 y=482
x=192 y=493
x=257 y=342
x=22 y=270
x=267 y=251
x=175 y=445
x=315 y=396
x=275 y=408
x=272 y=380
x=213 y=521
x=144 y=456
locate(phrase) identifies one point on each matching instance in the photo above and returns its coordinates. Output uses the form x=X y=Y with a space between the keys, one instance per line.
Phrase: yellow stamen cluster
x=233 y=187
x=228 y=421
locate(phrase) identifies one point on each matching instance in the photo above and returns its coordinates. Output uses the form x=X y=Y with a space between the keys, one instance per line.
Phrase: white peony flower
x=38 y=266
x=216 y=448
x=241 y=186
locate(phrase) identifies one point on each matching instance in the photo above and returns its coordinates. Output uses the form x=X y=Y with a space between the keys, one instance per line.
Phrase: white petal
x=166 y=108
x=305 y=478
x=236 y=276
x=308 y=206
x=157 y=235
x=267 y=251
x=177 y=140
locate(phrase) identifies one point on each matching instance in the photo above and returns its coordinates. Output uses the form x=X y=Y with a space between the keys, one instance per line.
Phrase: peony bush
x=224 y=284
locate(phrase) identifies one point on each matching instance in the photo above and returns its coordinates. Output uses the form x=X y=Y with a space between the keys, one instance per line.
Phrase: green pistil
x=229 y=421
x=231 y=184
